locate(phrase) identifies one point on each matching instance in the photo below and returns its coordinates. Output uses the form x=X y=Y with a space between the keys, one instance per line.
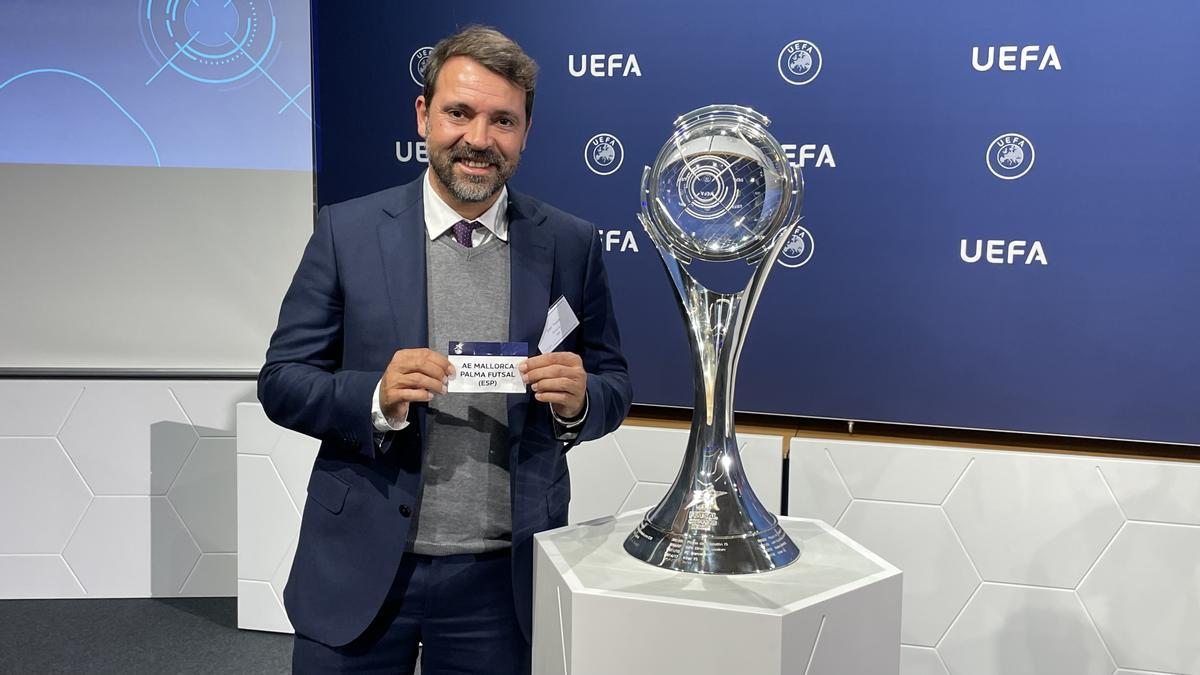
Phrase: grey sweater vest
x=465 y=504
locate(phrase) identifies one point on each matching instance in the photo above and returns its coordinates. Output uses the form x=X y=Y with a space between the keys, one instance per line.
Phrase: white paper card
x=478 y=374
x=560 y=321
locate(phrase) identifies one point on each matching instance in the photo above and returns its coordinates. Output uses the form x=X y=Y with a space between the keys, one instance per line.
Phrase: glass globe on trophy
x=720 y=190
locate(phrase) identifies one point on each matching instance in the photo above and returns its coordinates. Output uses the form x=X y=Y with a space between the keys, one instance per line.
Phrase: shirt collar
x=439 y=217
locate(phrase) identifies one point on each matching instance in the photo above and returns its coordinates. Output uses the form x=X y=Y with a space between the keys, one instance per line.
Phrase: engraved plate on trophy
x=721 y=193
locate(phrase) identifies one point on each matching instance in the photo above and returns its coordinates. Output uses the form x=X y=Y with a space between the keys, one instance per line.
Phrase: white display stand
x=598 y=610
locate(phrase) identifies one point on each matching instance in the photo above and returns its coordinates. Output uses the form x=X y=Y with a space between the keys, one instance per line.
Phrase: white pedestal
x=597 y=610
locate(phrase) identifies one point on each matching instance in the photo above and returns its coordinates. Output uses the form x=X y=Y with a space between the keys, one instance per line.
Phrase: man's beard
x=471 y=188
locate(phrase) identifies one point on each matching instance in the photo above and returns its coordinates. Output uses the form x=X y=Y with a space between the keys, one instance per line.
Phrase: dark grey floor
x=184 y=635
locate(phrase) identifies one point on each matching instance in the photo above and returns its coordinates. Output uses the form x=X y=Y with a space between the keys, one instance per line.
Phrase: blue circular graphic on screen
x=799 y=62
x=604 y=154
x=209 y=41
x=799 y=248
x=1010 y=156
x=211 y=21
x=417 y=64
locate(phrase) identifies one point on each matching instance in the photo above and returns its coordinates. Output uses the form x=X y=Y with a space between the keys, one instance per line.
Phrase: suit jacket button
x=405 y=511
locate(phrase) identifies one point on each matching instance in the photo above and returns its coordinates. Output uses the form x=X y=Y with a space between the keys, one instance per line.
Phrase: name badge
x=481 y=367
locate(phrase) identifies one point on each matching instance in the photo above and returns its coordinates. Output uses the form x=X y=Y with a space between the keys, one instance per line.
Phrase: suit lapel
x=531 y=260
x=402 y=249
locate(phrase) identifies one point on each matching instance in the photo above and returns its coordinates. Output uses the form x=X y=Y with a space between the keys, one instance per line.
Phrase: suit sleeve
x=302 y=385
x=608 y=388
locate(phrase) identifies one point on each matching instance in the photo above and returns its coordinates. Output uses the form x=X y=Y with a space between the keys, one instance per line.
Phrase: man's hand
x=412 y=375
x=557 y=378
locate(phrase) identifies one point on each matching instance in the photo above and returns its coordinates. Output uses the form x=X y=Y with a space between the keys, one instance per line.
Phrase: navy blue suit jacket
x=357 y=297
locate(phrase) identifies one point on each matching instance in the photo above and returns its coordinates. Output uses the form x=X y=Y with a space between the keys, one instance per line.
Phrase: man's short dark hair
x=492 y=50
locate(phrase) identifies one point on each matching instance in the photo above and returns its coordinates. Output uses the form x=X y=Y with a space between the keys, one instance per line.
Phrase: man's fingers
x=418 y=381
x=412 y=395
x=553 y=358
x=556 y=384
x=552 y=371
x=553 y=397
x=424 y=361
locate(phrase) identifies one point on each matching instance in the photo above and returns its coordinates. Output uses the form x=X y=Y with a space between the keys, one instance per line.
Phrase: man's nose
x=478 y=134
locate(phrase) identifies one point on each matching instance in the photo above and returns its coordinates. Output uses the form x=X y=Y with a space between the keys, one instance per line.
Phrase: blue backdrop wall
x=1002 y=197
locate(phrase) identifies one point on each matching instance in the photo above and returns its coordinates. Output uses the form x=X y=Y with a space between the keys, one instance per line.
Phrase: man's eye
x=505 y=122
x=456 y=114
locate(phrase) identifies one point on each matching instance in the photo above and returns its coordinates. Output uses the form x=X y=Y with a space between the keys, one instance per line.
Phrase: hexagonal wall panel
x=1033 y=519
x=1144 y=594
x=938 y=577
x=128 y=438
x=815 y=489
x=42 y=497
x=215 y=576
x=259 y=609
x=173 y=552
x=35 y=407
x=205 y=495
x=263 y=538
x=1006 y=630
x=293 y=455
x=920 y=661
x=903 y=473
x=654 y=455
x=644 y=496
x=256 y=435
x=280 y=578
x=600 y=479
x=37 y=576
x=211 y=406
x=110 y=550
x=1165 y=492
x=131 y=547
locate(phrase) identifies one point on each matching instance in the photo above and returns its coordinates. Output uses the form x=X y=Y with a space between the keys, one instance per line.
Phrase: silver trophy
x=720 y=190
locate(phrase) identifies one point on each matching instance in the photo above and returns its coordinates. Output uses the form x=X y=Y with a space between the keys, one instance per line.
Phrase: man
x=422 y=504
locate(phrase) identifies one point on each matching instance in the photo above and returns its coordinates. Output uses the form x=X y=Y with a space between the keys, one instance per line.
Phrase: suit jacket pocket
x=327 y=490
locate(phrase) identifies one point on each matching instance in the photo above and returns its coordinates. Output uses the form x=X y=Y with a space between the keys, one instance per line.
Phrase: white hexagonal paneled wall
x=917 y=538
x=118 y=488
x=1076 y=579
x=128 y=438
x=1033 y=519
x=633 y=468
x=1021 y=629
x=921 y=661
x=205 y=494
x=1140 y=617
x=36 y=472
x=274 y=465
x=815 y=488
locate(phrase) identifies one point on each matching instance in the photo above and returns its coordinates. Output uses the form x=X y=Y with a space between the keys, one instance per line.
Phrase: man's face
x=474 y=128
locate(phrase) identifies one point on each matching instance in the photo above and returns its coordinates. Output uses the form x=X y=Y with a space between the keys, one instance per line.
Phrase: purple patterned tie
x=463 y=230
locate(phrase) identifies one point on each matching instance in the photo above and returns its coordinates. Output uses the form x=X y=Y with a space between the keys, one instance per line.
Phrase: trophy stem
x=711 y=521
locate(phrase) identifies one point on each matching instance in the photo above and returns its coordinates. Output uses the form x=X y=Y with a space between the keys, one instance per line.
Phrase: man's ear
x=528 y=127
x=422 y=117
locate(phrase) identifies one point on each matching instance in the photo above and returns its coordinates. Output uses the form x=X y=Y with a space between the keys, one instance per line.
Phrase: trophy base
x=750 y=553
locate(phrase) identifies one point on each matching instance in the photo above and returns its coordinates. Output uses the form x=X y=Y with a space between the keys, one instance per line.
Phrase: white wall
x=1021 y=562
x=118 y=488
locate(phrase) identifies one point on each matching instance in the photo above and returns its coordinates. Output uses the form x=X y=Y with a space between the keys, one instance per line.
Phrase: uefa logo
x=417 y=64
x=799 y=62
x=799 y=248
x=604 y=154
x=1010 y=156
